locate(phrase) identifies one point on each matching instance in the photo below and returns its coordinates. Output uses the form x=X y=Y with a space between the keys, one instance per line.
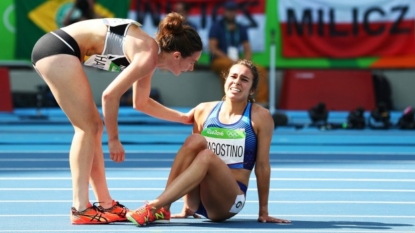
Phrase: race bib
x=228 y=144
x=103 y=62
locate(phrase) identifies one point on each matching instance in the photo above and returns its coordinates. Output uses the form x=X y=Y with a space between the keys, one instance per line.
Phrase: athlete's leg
x=98 y=177
x=66 y=78
x=218 y=193
x=214 y=176
x=191 y=202
x=184 y=157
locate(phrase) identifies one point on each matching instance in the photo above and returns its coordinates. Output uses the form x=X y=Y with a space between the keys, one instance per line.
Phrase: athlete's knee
x=100 y=127
x=93 y=127
x=195 y=143
x=206 y=157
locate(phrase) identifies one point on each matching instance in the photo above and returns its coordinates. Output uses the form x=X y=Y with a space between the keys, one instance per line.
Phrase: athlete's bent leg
x=66 y=79
x=193 y=144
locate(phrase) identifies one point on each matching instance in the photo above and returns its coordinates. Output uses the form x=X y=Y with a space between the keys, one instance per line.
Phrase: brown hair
x=254 y=70
x=174 y=35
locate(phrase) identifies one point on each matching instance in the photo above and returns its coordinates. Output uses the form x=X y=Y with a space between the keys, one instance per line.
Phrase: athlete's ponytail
x=174 y=35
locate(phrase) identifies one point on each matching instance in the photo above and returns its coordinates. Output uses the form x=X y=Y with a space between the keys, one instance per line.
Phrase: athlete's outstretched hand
x=185 y=214
x=269 y=219
x=116 y=149
x=189 y=117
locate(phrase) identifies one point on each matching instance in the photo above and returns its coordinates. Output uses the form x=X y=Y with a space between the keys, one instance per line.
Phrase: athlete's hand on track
x=117 y=153
x=269 y=219
x=185 y=214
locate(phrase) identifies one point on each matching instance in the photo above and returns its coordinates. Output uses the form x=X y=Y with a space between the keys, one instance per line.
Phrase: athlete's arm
x=141 y=67
x=198 y=123
x=263 y=122
x=142 y=102
x=201 y=113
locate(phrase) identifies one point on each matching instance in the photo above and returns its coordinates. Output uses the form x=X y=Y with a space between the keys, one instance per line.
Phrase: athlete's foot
x=162 y=216
x=141 y=216
x=92 y=215
x=119 y=210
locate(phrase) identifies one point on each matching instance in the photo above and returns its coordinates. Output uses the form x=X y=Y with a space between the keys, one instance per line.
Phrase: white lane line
x=211 y=230
x=251 y=179
x=67 y=169
x=252 y=202
x=242 y=215
x=167 y=151
x=66 y=160
x=345 y=170
x=171 y=160
x=272 y=169
x=249 y=190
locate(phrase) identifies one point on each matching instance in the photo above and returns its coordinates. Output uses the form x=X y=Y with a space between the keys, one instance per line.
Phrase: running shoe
x=117 y=209
x=162 y=216
x=91 y=215
x=141 y=216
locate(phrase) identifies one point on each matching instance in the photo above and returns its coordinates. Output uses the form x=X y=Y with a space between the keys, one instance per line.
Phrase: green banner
x=7 y=29
x=34 y=18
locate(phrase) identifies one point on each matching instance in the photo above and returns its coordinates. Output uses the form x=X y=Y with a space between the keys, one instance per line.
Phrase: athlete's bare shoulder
x=140 y=40
x=205 y=106
x=202 y=110
x=261 y=117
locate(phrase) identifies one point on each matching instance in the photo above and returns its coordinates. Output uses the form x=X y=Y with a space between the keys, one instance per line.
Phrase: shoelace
x=120 y=205
x=98 y=213
x=142 y=210
x=123 y=211
x=97 y=207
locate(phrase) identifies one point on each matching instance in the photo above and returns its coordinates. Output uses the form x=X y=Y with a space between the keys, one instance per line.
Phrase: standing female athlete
x=113 y=45
x=212 y=168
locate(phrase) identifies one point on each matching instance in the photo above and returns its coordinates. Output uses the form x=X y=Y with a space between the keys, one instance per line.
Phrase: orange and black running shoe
x=117 y=209
x=92 y=215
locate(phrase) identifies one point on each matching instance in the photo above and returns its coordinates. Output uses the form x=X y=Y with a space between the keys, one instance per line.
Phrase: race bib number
x=102 y=62
x=228 y=144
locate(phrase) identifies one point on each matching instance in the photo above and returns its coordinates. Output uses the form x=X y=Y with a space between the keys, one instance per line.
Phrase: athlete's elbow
x=262 y=169
x=137 y=106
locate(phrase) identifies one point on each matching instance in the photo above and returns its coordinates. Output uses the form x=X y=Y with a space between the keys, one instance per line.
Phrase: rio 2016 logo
x=232 y=134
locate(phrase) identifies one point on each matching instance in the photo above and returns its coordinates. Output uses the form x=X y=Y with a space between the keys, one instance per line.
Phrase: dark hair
x=254 y=70
x=175 y=35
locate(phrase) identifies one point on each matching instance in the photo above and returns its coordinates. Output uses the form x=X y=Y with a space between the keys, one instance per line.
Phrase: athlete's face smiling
x=239 y=82
x=180 y=64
